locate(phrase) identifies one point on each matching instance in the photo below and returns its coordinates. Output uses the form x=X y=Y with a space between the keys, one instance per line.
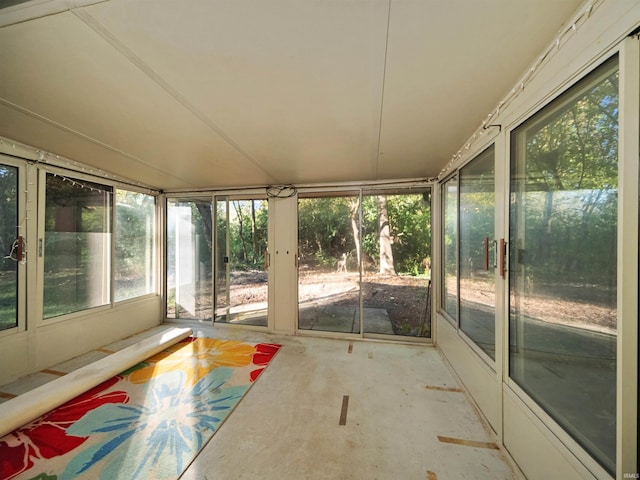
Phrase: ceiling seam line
x=84 y=136
x=18 y=22
x=112 y=40
x=384 y=77
x=16 y=12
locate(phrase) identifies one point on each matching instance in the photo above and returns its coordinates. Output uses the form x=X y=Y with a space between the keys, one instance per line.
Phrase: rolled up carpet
x=24 y=408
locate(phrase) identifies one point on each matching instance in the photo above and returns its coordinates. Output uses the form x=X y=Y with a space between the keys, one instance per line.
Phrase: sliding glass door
x=450 y=247
x=11 y=246
x=468 y=290
x=477 y=309
x=563 y=260
x=328 y=267
x=242 y=260
x=365 y=261
x=396 y=268
x=227 y=236
x=189 y=258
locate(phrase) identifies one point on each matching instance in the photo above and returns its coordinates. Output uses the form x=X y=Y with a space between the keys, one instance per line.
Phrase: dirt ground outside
x=407 y=299
x=403 y=297
x=584 y=306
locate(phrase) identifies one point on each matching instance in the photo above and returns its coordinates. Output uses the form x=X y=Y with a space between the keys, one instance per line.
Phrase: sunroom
x=457 y=177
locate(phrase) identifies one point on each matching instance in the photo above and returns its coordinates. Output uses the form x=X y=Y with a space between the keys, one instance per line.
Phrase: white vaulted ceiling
x=199 y=94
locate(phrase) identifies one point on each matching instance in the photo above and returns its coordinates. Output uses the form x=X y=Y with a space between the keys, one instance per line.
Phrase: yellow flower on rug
x=196 y=359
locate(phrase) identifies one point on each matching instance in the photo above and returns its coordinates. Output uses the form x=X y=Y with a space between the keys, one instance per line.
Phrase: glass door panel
x=222 y=258
x=10 y=245
x=449 y=290
x=189 y=241
x=242 y=259
x=328 y=269
x=396 y=262
x=477 y=281
x=563 y=261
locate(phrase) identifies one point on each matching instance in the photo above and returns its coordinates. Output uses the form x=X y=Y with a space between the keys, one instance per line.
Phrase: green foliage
x=410 y=220
x=325 y=231
x=134 y=217
x=477 y=212
x=8 y=206
x=565 y=202
x=8 y=302
x=450 y=227
x=248 y=233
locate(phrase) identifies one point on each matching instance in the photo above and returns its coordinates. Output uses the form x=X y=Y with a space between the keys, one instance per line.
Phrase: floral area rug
x=149 y=422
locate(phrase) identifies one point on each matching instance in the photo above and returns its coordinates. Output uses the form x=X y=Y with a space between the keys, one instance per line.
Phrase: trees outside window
x=134 y=245
x=77 y=245
x=563 y=260
x=376 y=246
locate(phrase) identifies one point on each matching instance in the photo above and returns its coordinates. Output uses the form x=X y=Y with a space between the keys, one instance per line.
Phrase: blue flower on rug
x=158 y=439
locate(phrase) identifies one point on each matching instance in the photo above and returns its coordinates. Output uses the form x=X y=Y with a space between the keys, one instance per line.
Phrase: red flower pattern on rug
x=264 y=354
x=46 y=437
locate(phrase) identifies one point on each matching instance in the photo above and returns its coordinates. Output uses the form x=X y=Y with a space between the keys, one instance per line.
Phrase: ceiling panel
x=195 y=94
x=296 y=84
x=63 y=71
x=448 y=65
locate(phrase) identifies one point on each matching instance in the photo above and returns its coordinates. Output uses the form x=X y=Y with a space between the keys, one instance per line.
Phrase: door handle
x=486 y=254
x=19 y=248
x=503 y=255
x=16 y=253
x=267 y=259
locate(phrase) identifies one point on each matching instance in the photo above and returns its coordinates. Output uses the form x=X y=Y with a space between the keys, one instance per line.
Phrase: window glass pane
x=477 y=282
x=449 y=301
x=328 y=272
x=8 y=234
x=77 y=245
x=189 y=258
x=562 y=265
x=134 y=235
x=396 y=262
x=242 y=290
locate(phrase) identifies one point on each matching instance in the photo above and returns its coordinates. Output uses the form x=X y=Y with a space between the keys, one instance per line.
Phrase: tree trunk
x=354 y=209
x=386 y=254
x=205 y=214
x=240 y=230
x=254 y=233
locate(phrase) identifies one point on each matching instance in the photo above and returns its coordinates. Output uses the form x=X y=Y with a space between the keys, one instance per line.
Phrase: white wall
x=48 y=344
x=283 y=289
x=479 y=378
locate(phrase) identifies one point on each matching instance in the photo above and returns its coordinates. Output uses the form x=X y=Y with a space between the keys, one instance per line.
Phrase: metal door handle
x=486 y=253
x=503 y=251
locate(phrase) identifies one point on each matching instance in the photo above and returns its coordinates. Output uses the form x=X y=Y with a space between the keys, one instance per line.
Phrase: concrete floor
x=405 y=417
